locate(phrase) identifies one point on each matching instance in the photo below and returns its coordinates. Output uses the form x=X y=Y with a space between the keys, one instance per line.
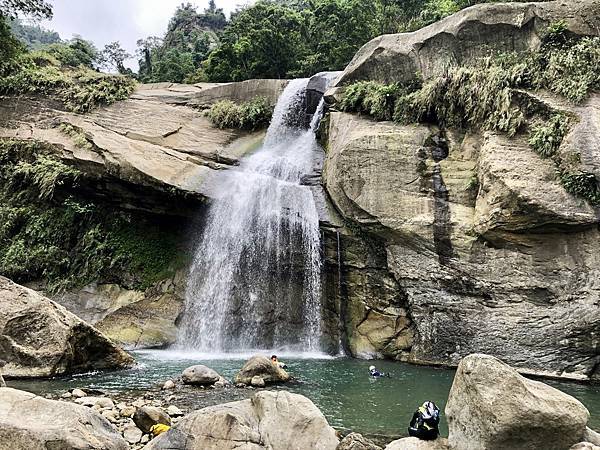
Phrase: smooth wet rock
x=39 y=338
x=147 y=416
x=492 y=407
x=200 y=375
x=356 y=441
x=29 y=422
x=412 y=443
x=262 y=367
x=257 y=381
x=269 y=420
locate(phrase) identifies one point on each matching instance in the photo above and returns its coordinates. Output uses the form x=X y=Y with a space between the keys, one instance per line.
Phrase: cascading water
x=255 y=279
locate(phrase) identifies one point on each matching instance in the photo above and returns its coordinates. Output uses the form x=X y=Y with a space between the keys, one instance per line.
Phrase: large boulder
x=492 y=407
x=262 y=367
x=39 y=338
x=269 y=420
x=471 y=33
x=29 y=422
x=200 y=375
x=412 y=443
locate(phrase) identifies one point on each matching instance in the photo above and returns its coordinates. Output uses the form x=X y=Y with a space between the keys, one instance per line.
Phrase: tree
x=38 y=9
x=266 y=40
x=34 y=36
x=113 y=56
x=74 y=53
x=146 y=48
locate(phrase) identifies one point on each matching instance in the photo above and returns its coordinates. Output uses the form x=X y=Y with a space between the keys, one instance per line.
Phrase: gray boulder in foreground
x=492 y=407
x=29 y=422
x=269 y=420
x=261 y=366
x=200 y=375
x=39 y=338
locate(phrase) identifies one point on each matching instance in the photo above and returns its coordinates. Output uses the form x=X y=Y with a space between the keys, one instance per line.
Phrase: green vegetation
x=33 y=36
x=79 y=90
x=484 y=95
x=278 y=38
x=546 y=136
x=45 y=233
x=76 y=134
x=250 y=115
x=189 y=39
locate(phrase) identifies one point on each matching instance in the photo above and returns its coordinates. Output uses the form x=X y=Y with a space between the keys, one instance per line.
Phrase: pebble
x=174 y=411
x=111 y=415
x=140 y=402
x=132 y=434
x=78 y=393
x=66 y=395
x=169 y=384
x=128 y=411
x=145 y=439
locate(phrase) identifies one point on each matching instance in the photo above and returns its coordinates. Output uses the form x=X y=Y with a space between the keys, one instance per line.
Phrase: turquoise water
x=340 y=387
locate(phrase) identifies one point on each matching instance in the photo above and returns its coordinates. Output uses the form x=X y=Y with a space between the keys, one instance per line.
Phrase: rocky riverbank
x=490 y=407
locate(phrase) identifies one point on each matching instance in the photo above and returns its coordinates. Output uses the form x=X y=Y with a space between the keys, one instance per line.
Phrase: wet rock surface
x=200 y=375
x=259 y=370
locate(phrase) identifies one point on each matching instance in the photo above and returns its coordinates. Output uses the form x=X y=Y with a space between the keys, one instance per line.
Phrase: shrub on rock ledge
x=251 y=115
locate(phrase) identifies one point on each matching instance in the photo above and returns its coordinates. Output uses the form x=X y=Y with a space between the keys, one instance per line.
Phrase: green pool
x=340 y=387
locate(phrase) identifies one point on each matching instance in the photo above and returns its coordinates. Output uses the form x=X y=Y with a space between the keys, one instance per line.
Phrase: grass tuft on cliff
x=48 y=234
x=251 y=115
x=78 y=89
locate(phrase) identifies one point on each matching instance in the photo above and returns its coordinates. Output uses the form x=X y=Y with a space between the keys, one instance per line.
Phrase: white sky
x=126 y=21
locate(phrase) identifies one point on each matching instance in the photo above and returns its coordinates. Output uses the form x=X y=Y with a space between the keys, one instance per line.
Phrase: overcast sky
x=126 y=21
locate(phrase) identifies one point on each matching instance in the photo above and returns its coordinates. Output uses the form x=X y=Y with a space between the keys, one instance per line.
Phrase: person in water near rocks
x=376 y=373
x=279 y=364
x=425 y=422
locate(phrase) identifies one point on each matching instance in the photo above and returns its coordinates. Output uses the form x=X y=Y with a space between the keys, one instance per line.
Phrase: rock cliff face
x=457 y=242
x=152 y=155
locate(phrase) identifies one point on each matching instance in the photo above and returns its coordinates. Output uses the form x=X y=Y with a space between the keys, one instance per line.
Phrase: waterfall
x=255 y=281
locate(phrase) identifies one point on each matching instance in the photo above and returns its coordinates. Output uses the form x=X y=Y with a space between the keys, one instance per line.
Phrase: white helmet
x=372 y=368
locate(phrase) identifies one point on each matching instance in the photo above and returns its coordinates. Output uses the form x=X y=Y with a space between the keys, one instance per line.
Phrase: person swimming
x=376 y=373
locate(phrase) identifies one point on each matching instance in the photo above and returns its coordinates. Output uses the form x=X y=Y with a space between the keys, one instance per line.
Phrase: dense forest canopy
x=268 y=39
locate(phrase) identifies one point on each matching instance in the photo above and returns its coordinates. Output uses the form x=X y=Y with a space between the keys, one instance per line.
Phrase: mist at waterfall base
x=255 y=281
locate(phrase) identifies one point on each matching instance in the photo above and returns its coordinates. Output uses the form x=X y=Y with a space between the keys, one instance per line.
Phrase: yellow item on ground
x=159 y=429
